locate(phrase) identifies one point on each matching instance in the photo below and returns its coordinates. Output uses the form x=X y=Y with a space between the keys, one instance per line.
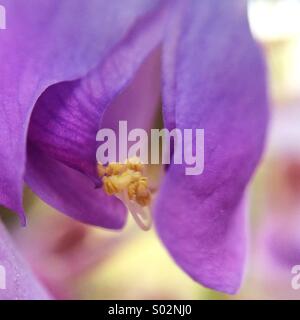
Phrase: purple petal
x=16 y=279
x=214 y=79
x=125 y=86
x=118 y=86
x=45 y=43
x=71 y=192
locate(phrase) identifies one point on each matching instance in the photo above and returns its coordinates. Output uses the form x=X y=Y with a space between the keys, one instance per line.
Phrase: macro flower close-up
x=131 y=135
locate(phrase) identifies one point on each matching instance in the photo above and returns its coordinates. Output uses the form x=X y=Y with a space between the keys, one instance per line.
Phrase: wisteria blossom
x=71 y=67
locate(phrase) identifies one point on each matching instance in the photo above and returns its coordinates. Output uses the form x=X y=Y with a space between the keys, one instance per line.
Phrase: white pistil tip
x=141 y=215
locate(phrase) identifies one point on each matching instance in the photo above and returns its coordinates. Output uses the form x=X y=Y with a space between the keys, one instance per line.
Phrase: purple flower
x=69 y=68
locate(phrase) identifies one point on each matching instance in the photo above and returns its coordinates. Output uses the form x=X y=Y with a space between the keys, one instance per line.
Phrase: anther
x=127 y=183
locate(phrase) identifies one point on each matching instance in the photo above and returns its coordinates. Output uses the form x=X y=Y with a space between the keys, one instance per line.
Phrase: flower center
x=127 y=182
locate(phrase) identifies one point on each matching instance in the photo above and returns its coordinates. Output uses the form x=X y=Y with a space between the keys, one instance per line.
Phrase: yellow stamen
x=127 y=183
